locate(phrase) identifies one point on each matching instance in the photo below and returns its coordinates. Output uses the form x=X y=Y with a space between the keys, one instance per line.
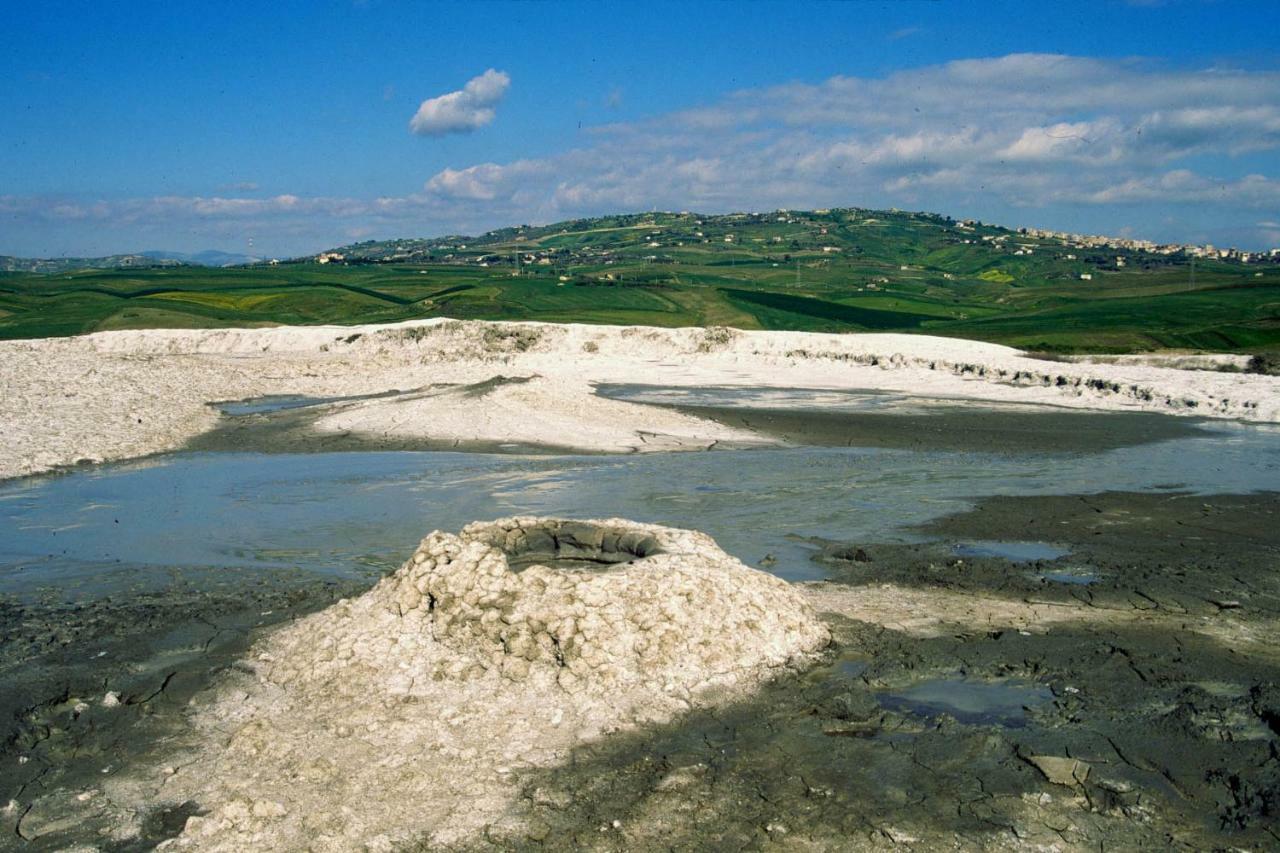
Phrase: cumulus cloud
x=484 y=182
x=468 y=109
x=1185 y=186
x=1032 y=139
x=1020 y=131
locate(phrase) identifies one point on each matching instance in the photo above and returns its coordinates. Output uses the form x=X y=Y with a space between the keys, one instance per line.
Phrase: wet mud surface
x=1137 y=722
x=1176 y=554
x=287 y=425
x=95 y=683
x=1135 y=726
x=881 y=420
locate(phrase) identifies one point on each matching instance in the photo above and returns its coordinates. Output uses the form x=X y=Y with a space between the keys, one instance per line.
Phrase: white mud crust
x=409 y=715
x=119 y=395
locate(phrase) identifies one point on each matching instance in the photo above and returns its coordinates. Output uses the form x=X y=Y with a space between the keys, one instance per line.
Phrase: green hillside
x=837 y=271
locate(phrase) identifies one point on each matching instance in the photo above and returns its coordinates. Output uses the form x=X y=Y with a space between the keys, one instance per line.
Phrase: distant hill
x=839 y=270
x=138 y=260
x=891 y=236
x=9 y=263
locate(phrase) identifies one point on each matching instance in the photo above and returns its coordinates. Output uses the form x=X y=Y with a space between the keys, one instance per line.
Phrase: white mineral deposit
x=487 y=654
x=117 y=395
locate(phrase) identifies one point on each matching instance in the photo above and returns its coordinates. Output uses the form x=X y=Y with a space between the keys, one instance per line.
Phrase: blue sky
x=188 y=126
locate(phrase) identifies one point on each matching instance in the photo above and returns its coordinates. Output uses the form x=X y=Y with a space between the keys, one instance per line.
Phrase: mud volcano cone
x=488 y=654
x=597 y=605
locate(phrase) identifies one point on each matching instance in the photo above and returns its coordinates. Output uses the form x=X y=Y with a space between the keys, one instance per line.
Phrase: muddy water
x=978 y=702
x=831 y=418
x=356 y=514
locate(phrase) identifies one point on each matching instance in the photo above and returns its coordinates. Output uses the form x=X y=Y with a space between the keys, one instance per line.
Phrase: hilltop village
x=779 y=236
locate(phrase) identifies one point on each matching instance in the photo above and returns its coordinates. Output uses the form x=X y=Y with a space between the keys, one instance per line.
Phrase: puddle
x=972 y=701
x=841 y=672
x=1014 y=552
x=850 y=669
x=268 y=404
x=1074 y=575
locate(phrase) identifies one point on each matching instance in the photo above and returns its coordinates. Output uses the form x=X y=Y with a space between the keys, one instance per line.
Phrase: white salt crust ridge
x=471 y=665
x=117 y=395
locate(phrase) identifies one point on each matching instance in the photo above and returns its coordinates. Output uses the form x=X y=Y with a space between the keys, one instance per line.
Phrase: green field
x=836 y=271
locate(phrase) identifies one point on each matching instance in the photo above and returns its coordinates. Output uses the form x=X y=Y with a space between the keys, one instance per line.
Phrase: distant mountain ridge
x=134 y=260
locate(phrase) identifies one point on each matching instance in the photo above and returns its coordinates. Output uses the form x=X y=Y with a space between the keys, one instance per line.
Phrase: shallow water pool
x=974 y=701
x=1014 y=552
x=359 y=514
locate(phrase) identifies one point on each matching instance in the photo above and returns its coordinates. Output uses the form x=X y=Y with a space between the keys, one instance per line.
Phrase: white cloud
x=468 y=109
x=1021 y=139
x=484 y=182
x=1186 y=187
x=1088 y=141
x=206 y=209
x=1020 y=131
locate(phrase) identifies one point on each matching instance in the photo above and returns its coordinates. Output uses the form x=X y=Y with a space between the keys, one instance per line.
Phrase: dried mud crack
x=491 y=694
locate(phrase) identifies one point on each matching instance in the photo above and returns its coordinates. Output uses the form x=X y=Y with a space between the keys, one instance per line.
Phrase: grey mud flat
x=960 y=426
x=153 y=643
x=1168 y=734
x=1136 y=734
x=291 y=428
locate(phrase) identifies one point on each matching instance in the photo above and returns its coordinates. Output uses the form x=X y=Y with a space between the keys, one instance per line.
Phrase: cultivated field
x=836 y=271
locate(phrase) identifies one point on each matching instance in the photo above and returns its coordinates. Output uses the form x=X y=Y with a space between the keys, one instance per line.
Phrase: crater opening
x=578 y=546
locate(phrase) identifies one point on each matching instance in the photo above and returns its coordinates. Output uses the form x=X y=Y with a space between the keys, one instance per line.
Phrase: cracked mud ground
x=1152 y=718
x=1151 y=715
x=152 y=646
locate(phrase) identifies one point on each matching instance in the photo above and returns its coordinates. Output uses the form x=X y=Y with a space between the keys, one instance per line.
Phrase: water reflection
x=340 y=513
